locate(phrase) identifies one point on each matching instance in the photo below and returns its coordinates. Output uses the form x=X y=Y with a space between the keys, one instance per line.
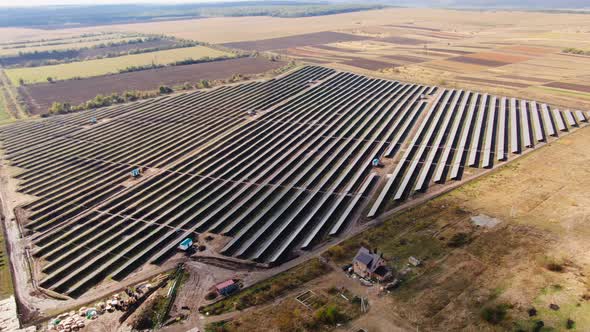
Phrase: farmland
x=110 y=65
x=30 y=58
x=39 y=97
x=269 y=185
x=63 y=44
x=302 y=139
x=454 y=48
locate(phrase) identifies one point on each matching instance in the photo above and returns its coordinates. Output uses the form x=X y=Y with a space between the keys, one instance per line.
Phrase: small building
x=370 y=265
x=414 y=261
x=226 y=288
x=185 y=244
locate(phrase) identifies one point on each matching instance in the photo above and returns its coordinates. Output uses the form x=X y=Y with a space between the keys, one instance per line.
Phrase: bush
x=330 y=315
x=210 y=296
x=570 y=324
x=165 y=89
x=148 y=317
x=495 y=314
x=555 y=267
x=458 y=240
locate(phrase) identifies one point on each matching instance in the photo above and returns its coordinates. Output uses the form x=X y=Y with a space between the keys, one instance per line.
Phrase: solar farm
x=275 y=168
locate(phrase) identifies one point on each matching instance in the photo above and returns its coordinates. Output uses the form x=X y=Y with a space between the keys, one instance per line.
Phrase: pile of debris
x=73 y=321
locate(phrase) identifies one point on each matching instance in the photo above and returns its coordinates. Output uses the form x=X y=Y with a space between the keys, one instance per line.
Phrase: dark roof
x=382 y=271
x=364 y=258
x=367 y=258
x=224 y=284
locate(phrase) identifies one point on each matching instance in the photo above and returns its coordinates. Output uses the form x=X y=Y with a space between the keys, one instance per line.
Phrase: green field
x=5 y=279
x=4 y=115
x=109 y=65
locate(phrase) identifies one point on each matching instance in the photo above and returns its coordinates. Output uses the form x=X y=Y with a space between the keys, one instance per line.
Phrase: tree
x=203 y=84
x=165 y=89
x=49 y=79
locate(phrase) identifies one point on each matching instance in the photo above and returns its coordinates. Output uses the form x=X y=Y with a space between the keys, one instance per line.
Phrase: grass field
x=5 y=279
x=4 y=115
x=106 y=66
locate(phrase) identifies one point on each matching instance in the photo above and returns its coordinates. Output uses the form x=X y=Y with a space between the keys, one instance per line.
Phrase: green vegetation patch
x=4 y=114
x=269 y=289
x=5 y=280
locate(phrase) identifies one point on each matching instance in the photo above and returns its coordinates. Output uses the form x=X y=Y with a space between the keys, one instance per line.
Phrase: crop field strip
x=467 y=129
x=274 y=184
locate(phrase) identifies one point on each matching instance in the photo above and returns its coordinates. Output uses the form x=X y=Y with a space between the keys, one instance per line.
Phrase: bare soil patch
x=490 y=59
x=450 y=51
x=524 y=78
x=531 y=50
x=569 y=86
x=403 y=40
x=406 y=58
x=479 y=62
x=335 y=49
x=368 y=64
x=310 y=39
x=496 y=82
x=39 y=97
x=415 y=27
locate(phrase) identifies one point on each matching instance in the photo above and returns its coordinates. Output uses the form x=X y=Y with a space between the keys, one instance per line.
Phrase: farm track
x=10 y=95
x=277 y=182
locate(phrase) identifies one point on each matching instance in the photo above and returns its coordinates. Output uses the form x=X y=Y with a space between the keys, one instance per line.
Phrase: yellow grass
x=107 y=66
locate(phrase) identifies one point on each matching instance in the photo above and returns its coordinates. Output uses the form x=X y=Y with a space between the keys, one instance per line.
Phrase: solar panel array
x=275 y=181
x=468 y=129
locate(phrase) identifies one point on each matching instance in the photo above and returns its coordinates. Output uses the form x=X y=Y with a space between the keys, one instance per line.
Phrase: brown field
x=411 y=27
x=39 y=97
x=524 y=78
x=311 y=39
x=494 y=82
x=404 y=40
x=531 y=50
x=534 y=35
x=406 y=58
x=500 y=57
x=334 y=49
x=446 y=50
x=478 y=61
x=569 y=86
x=368 y=64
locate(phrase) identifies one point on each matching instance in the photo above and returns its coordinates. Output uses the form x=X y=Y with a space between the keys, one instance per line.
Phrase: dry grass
x=544 y=209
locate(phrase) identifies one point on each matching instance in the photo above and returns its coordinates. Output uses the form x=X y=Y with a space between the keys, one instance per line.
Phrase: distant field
x=106 y=66
x=65 y=46
x=39 y=97
x=82 y=53
x=317 y=38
